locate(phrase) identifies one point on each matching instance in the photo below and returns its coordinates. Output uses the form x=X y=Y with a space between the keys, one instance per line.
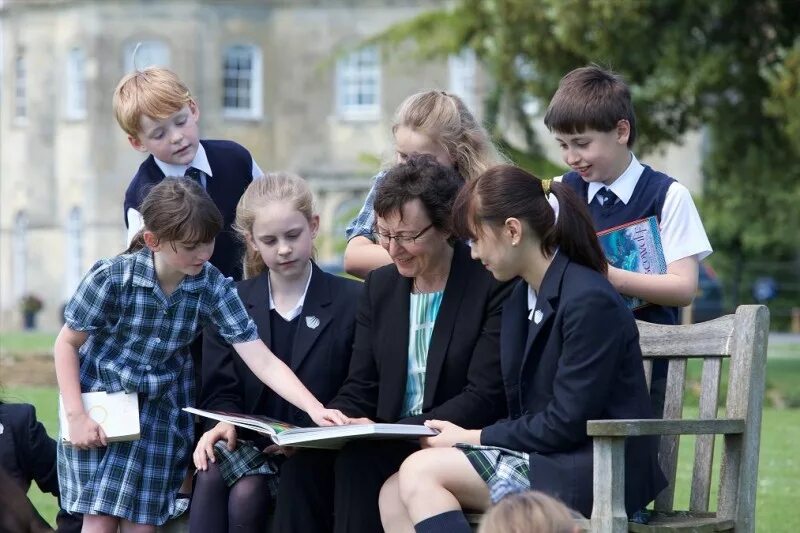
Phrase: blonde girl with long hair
x=306 y=317
x=436 y=123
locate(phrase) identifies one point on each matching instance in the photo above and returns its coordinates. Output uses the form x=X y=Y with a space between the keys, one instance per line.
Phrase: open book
x=116 y=412
x=635 y=247
x=332 y=437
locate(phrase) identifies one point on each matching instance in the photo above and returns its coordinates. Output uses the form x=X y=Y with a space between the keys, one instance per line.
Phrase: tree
x=731 y=67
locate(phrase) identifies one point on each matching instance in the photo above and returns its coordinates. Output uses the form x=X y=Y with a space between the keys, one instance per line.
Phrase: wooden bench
x=742 y=337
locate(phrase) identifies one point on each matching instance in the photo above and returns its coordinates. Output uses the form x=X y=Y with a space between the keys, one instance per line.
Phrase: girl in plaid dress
x=306 y=316
x=128 y=328
x=569 y=353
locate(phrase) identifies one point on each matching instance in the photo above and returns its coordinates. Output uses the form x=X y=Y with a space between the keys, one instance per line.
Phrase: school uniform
x=323 y=490
x=363 y=225
x=315 y=339
x=138 y=341
x=27 y=453
x=226 y=169
x=573 y=357
x=641 y=192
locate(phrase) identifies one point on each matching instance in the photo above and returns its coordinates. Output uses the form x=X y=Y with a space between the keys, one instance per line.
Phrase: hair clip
x=546 y=186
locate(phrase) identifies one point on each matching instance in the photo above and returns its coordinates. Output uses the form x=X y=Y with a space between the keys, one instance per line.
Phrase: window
x=74 y=251
x=20 y=255
x=463 y=69
x=150 y=54
x=75 y=105
x=358 y=85
x=20 y=97
x=241 y=84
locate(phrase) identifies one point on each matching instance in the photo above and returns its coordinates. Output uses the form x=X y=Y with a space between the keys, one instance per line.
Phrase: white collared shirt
x=531 y=302
x=200 y=162
x=682 y=231
x=298 y=307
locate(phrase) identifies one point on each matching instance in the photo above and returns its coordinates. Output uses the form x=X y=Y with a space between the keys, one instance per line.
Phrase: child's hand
x=275 y=449
x=449 y=435
x=204 y=452
x=85 y=433
x=327 y=417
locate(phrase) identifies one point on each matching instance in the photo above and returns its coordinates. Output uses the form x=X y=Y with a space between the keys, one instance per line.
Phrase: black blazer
x=320 y=357
x=462 y=381
x=581 y=361
x=27 y=453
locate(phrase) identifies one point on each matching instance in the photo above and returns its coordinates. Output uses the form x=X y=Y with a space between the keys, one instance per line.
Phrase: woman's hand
x=449 y=434
x=327 y=417
x=275 y=449
x=357 y=421
x=85 y=433
x=205 y=446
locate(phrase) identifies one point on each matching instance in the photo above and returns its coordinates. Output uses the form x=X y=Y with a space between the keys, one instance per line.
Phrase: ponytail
x=137 y=243
x=573 y=232
x=506 y=191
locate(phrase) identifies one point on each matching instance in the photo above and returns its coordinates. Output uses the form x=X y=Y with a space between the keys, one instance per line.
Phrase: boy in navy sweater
x=157 y=111
x=592 y=118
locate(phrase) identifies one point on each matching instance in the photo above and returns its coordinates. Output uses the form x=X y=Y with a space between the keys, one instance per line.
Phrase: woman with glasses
x=426 y=347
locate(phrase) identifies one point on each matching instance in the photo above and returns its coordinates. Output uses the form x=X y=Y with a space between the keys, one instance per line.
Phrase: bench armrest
x=636 y=428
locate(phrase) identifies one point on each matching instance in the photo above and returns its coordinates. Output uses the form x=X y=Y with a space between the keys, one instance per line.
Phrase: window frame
x=255 y=110
x=351 y=72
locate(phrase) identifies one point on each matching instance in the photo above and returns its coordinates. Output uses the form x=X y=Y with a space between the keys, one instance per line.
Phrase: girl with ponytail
x=569 y=354
x=305 y=316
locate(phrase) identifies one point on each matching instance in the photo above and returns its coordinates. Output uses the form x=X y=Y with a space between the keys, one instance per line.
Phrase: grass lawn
x=22 y=342
x=778 y=480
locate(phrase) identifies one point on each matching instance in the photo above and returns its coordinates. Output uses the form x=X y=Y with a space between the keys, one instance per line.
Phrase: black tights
x=242 y=508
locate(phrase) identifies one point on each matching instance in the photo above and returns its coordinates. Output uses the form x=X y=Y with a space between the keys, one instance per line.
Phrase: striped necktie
x=606 y=197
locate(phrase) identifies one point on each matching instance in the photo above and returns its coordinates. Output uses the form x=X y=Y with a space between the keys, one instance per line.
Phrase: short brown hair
x=522 y=512
x=155 y=92
x=178 y=210
x=420 y=177
x=591 y=98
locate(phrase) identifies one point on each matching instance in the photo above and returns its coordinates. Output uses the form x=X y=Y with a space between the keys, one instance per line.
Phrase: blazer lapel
x=454 y=292
x=394 y=371
x=544 y=311
x=314 y=318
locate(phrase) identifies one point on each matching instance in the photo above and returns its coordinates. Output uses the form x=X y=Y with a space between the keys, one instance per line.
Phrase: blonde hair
x=274 y=186
x=155 y=92
x=528 y=511
x=444 y=118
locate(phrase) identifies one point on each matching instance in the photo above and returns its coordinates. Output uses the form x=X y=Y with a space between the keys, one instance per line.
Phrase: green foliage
x=731 y=67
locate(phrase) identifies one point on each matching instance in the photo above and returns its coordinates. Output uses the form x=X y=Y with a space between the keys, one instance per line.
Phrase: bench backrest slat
x=704 y=445
x=668 y=449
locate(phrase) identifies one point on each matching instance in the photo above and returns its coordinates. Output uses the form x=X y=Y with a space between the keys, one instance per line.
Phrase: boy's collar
x=623 y=186
x=199 y=162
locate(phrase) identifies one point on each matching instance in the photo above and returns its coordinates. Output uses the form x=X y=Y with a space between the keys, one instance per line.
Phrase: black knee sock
x=451 y=521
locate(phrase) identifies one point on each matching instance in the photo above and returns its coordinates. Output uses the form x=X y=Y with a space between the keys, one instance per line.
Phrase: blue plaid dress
x=139 y=341
x=364 y=223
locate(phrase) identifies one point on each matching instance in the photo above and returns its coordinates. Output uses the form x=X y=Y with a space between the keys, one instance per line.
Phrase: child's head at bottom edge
x=528 y=511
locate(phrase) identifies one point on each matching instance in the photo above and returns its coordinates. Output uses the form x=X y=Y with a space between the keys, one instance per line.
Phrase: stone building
x=289 y=79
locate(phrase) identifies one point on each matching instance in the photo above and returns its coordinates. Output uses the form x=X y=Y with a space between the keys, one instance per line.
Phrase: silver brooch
x=312 y=322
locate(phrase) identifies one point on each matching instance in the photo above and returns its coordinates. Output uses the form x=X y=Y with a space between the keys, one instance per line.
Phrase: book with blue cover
x=635 y=247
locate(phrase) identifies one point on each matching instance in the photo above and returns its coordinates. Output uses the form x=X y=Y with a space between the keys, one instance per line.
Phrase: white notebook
x=116 y=412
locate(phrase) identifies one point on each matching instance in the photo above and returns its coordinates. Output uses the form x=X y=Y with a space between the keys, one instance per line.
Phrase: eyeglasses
x=385 y=239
